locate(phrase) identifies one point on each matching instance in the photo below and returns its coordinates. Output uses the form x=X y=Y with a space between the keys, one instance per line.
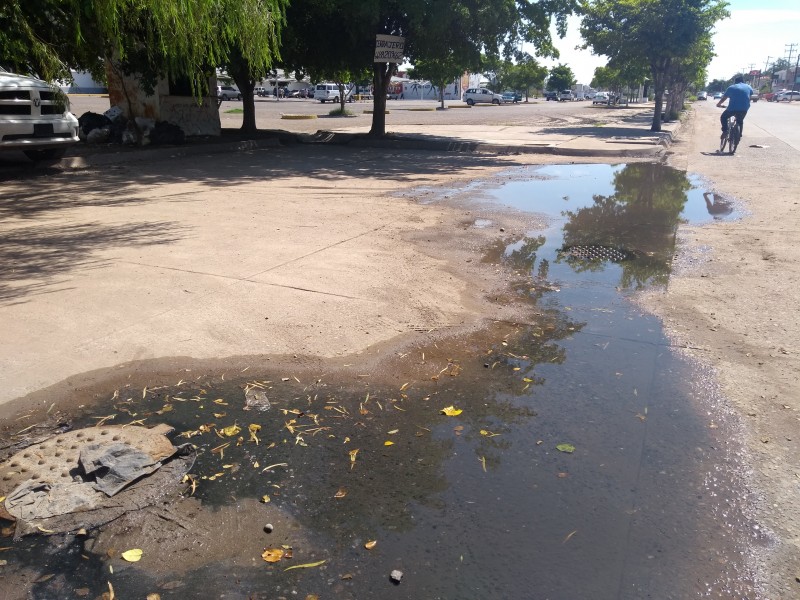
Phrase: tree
x=157 y=38
x=651 y=33
x=322 y=34
x=526 y=74
x=561 y=78
x=440 y=72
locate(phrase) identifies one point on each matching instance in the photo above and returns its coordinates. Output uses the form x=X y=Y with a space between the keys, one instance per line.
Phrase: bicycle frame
x=733 y=136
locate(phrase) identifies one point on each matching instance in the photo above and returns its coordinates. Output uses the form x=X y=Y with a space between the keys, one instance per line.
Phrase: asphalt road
x=778 y=119
x=401 y=112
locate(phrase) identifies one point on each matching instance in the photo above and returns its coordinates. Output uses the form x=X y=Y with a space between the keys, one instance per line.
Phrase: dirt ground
x=733 y=302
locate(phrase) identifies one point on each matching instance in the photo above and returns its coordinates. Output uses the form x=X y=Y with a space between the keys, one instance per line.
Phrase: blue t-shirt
x=739 y=96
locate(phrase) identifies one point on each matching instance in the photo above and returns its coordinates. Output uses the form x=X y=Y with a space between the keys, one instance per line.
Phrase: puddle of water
x=482 y=504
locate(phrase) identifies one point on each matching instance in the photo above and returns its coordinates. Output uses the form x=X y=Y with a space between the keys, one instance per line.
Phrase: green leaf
x=568 y=448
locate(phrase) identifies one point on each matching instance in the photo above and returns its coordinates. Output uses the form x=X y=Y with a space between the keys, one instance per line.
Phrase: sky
x=756 y=29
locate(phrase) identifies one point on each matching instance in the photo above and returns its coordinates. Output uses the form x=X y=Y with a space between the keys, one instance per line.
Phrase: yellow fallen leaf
x=231 y=430
x=219 y=415
x=221 y=402
x=371 y=544
x=265 y=498
x=254 y=428
x=2 y=498
x=388 y=443
x=341 y=493
x=133 y=555
x=353 y=454
x=272 y=555
x=451 y=411
x=488 y=433
x=306 y=565
x=393 y=431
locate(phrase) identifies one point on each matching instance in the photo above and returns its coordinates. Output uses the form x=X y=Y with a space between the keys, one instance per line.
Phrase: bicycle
x=732 y=137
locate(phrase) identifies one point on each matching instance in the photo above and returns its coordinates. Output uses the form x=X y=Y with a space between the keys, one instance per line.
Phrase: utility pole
x=766 y=67
x=750 y=71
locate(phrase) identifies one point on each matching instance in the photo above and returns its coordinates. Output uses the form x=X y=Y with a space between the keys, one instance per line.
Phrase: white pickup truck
x=35 y=117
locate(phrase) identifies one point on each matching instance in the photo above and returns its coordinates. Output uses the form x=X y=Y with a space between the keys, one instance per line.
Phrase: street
x=367 y=290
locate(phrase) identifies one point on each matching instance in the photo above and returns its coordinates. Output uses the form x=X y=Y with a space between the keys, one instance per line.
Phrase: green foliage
x=654 y=34
x=561 y=78
x=332 y=35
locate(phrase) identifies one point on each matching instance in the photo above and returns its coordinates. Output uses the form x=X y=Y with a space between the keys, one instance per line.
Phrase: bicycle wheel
x=734 y=141
x=723 y=141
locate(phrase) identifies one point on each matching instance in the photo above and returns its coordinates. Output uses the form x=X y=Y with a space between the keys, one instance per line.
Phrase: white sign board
x=389 y=48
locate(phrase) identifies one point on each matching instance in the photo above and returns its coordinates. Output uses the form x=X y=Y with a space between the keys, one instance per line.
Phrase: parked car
x=227 y=92
x=551 y=96
x=702 y=95
x=512 y=97
x=600 y=98
x=718 y=96
x=481 y=95
x=261 y=91
x=35 y=117
x=787 y=96
x=566 y=96
x=330 y=91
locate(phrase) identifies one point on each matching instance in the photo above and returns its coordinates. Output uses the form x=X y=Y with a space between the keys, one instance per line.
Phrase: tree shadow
x=37 y=259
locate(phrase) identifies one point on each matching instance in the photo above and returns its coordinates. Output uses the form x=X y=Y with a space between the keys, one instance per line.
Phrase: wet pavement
x=589 y=460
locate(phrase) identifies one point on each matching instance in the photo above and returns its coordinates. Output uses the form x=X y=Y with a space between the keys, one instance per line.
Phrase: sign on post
x=389 y=48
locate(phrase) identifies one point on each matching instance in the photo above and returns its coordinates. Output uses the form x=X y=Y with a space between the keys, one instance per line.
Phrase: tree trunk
x=342 y=98
x=381 y=76
x=246 y=87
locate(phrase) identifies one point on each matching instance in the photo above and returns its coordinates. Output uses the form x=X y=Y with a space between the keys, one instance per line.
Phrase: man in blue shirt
x=739 y=94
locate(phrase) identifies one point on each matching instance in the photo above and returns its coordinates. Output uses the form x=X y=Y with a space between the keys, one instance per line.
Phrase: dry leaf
x=253 y=428
x=451 y=411
x=483 y=463
x=353 y=454
x=272 y=555
x=393 y=431
x=231 y=430
x=133 y=555
x=306 y=565
x=265 y=498
x=341 y=493
x=488 y=433
x=388 y=443
x=371 y=544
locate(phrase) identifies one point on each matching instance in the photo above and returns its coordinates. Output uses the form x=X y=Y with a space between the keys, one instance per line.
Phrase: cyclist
x=739 y=94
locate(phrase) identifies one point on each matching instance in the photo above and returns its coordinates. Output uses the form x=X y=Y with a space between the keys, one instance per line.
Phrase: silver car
x=35 y=117
x=476 y=95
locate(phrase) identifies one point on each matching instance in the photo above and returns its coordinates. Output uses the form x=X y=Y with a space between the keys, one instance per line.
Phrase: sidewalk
x=618 y=133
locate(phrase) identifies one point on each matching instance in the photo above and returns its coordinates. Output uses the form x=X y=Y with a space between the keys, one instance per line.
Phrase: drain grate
x=598 y=253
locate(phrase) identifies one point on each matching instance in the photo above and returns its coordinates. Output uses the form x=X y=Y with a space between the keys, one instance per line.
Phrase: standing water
x=573 y=456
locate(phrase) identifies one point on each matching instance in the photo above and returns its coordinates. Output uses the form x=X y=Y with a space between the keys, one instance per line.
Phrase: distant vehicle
x=35 y=118
x=512 y=97
x=551 y=96
x=481 y=95
x=754 y=97
x=330 y=91
x=261 y=91
x=702 y=95
x=226 y=92
x=718 y=96
x=600 y=98
x=787 y=96
x=566 y=96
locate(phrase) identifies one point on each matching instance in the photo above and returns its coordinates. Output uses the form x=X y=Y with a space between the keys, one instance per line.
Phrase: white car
x=482 y=95
x=566 y=96
x=600 y=98
x=227 y=92
x=35 y=117
x=787 y=96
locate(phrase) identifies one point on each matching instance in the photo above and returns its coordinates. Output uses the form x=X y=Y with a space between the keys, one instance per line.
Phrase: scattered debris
x=396 y=576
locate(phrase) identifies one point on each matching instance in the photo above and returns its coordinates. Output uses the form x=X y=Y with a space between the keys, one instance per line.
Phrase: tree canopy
x=328 y=35
x=658 y=34
x=561 y=78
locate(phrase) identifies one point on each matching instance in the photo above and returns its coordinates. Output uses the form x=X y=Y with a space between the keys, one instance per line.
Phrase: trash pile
x=112 y=127
x=85 y=478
